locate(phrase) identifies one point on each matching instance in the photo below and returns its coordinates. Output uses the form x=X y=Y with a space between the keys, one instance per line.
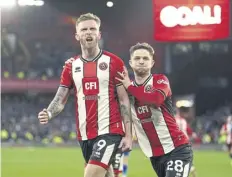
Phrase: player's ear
x=77 y=37
x=130 y=63
x=153 y=63
x=152 y=60
x=99 y=35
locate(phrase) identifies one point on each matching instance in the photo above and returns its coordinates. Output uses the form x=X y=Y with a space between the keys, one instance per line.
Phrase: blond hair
x=88 y=16
x=143 y=45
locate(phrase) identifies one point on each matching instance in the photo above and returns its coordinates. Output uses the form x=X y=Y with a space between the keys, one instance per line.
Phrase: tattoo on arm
x=126 y=115
x=59 y=101
x=125 y=109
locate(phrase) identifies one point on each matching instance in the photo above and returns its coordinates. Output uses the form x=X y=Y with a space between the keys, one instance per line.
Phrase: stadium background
x=35 y=42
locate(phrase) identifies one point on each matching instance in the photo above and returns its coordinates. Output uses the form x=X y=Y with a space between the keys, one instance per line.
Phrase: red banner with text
x=191 y=20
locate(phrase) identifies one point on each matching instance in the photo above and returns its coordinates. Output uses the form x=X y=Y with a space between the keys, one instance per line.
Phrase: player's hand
x=126 y=144
x=125 y=80
x=69 y=61
x=43 y=117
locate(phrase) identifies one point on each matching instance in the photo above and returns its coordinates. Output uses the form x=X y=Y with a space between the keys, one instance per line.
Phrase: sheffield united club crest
x=103 y=66
x=149 y=88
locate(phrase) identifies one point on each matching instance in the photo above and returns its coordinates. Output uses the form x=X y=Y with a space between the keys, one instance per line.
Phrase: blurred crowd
x=209 y=124
x=19 y=121
x=38 y=57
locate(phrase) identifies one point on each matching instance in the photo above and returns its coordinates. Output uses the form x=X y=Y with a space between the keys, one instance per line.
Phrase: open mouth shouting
x=89 y=39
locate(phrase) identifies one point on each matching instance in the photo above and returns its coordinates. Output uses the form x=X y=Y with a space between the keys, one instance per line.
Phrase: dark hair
x=143 y=45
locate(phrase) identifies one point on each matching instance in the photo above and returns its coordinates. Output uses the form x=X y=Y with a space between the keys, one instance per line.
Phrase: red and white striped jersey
x=94 y=83
x=153 y=116
x=227 y=128
x=184 y=126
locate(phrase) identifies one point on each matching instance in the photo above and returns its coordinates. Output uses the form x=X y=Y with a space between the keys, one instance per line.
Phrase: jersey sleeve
x=118 y=68
x=66 y=77
x=162 y=85
x=155 y=95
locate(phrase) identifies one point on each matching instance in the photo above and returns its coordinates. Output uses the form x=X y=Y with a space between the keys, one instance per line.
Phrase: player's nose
x=141 y=61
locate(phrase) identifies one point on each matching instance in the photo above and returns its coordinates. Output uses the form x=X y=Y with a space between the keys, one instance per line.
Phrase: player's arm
x=59 y=101
x=125 y=109
x=61 y=97
x=123 y=98
x=155 y=96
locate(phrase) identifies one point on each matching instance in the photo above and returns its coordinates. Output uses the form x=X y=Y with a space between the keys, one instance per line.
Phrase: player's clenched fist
x=43 y=116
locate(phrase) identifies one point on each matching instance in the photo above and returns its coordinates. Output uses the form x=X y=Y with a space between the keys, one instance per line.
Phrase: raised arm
x=155 y=95
x=61 y=97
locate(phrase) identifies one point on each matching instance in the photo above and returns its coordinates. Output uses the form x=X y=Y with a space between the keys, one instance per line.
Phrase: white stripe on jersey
x=161 y=127
x=80 y=96
x=103 y=111
x=141 y=135
x=162 y=130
